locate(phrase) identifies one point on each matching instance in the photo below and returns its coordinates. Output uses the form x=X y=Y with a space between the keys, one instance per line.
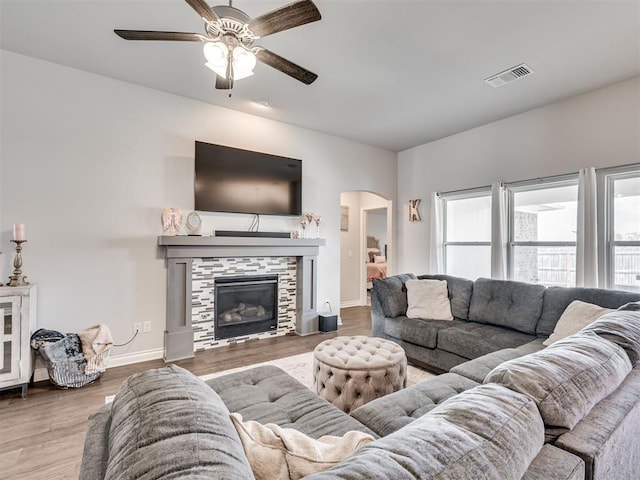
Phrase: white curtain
x=587 y=238
x=499 y=231
x=436 y=254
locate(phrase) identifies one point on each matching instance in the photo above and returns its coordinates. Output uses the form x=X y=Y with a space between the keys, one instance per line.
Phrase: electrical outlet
x=146 y=326
x=137 y=327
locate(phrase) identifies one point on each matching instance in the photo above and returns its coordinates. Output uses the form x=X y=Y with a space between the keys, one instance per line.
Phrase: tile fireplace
x=198 y=266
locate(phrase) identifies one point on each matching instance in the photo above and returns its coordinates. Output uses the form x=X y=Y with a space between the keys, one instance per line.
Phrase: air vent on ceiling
x=510 y=75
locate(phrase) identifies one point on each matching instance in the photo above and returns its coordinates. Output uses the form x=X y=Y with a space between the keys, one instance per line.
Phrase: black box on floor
x=328 y=322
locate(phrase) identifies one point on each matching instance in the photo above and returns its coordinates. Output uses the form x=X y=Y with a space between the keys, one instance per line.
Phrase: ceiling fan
x=229 y=37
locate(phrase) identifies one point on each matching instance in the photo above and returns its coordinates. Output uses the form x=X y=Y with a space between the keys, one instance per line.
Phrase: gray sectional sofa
x=570 y=411
x=489 y=315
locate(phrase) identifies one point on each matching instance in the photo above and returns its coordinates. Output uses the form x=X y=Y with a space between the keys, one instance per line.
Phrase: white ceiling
x=393 y=74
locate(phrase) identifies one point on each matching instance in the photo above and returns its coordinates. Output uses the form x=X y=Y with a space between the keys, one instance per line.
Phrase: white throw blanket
x=95 y=340
x=277 y=453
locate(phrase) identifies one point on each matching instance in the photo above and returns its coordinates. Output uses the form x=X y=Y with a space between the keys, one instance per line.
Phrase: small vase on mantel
x=317 y=219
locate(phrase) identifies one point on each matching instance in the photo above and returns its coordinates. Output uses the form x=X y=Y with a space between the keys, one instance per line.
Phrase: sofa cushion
x=555 y=464
x=428 y=300
x=277 y=453
x=607 y=437
x=387 y=414
x=167 y=422
x=392 y=293
x=621 y=327
x=567 y=378
x=631 y=307
x=486 y=432
x=506 y=303
x=417 y=331
x=472 y=340
x=576 y=316
x=478 y=368
x=95 y=456
x=269 y=395
x=460 y=290
x=557 y=299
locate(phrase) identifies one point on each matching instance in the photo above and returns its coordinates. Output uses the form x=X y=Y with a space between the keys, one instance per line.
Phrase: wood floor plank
x=42 y=436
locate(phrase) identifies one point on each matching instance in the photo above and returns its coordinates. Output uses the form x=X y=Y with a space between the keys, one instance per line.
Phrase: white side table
x=17 y=322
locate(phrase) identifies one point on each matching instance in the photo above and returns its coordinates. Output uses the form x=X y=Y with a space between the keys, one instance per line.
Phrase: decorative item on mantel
x=317 y=219
x=193 y=223
x=19 y=237
x=303 y=224
x=171 y=221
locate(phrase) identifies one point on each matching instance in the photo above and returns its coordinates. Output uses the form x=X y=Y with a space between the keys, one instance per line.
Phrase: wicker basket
x=79 y=371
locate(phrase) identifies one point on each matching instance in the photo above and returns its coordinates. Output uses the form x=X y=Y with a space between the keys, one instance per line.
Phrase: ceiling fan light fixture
x=216 y=53
x=244 y=61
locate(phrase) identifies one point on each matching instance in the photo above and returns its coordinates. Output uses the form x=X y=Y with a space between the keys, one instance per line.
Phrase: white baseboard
x=350 y=303
x=41 y=374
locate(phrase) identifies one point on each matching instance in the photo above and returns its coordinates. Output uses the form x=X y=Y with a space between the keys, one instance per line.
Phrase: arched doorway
x=366 y=232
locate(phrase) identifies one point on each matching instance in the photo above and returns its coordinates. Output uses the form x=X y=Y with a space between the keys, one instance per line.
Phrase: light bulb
x=244 y=61
x=216 y=53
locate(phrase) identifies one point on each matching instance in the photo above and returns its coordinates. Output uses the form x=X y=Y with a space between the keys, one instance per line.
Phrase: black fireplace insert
x=245 y=305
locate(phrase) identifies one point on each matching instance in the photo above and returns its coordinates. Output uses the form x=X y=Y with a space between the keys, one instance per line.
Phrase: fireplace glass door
x=245 y=305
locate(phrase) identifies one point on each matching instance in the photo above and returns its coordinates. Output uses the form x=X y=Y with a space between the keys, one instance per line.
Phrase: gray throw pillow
x=567 y=378
x=621 y=327
x=392 y=294
x=169 y=423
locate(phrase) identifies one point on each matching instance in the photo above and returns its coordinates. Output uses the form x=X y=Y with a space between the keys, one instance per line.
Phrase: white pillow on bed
x=379 y=259
x=428 y=300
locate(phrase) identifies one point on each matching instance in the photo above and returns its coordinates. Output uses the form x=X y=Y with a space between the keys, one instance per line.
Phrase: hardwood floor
x=42 y=436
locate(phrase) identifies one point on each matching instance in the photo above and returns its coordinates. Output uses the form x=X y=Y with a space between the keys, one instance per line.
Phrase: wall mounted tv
x=240 y=181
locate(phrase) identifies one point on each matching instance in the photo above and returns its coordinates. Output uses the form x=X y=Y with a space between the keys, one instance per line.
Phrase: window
x=542 y=232
x=467 y=233
x=622 y=255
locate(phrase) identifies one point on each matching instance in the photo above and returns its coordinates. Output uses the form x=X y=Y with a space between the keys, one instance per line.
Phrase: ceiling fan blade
x=154 y=35
x=285 y=66
x=223 y=83
x=284 y=18
x=204 y=10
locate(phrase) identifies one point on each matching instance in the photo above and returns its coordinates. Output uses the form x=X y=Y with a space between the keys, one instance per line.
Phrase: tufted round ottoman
x=351 y=371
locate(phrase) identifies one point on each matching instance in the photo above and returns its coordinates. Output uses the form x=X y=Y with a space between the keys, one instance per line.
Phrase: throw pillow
x=575 y=317
x=567 y=378
x=622 y=328
x=428 y=300
x=379 y=259
x=277 y=453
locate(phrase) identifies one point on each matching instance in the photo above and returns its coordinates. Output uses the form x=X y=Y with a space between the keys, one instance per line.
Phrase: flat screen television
x=240 y=181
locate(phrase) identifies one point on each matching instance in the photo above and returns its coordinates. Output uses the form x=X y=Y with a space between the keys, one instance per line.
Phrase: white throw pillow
x=379 y=259
x=428 y=300
x=575 y=317
x=277 y=453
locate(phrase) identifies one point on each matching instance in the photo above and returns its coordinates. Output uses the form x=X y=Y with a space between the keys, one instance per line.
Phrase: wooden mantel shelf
x=183 y=246
x=196 y=240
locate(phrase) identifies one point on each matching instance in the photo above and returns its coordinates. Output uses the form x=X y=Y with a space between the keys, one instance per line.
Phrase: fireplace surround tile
x=204 y=271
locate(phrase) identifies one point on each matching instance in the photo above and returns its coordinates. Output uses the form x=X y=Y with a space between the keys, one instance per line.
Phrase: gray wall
x=88 y=163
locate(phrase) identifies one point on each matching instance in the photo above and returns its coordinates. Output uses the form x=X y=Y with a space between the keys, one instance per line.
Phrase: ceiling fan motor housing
x=232 y=24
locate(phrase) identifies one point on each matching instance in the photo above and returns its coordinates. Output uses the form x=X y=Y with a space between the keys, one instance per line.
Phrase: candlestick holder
x=17 y=279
